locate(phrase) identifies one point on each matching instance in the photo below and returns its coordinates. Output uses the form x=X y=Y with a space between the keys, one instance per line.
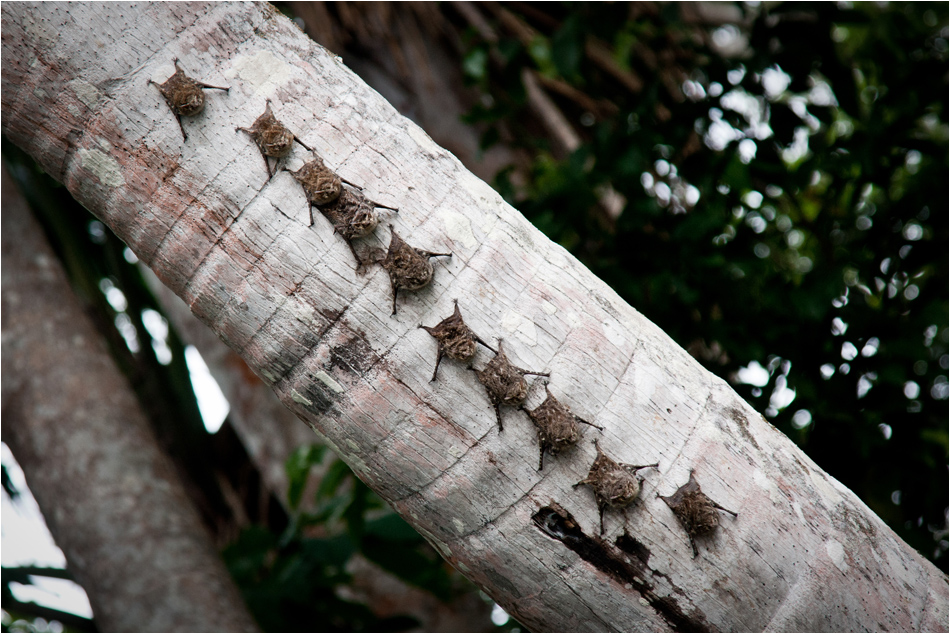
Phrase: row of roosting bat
x=614 y=484
x=350 y=212
x=354 y=216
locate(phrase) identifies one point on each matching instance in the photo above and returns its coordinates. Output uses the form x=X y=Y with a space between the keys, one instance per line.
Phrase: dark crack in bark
x=613 y=560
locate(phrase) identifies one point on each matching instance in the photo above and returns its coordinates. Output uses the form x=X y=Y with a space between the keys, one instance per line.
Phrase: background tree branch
x=92 y=460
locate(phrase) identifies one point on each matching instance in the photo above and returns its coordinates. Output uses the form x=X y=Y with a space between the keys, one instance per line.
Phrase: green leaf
x=475 y=63
x=392 y=527
x=540 y=51
x=426 y=571
x=298 y=467
x=567 y=48
x=336 y=474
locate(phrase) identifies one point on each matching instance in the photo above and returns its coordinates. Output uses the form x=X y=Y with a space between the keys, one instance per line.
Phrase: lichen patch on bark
x=262 y=72
x=102 y=166
x=459 y=229
x=85 y=92
x=327 y=380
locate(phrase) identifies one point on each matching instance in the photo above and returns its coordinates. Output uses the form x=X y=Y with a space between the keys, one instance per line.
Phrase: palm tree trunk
x=804 y=552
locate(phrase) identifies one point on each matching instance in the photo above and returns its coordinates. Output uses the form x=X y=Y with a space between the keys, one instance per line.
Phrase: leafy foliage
x=292 y=581
x=786 y=207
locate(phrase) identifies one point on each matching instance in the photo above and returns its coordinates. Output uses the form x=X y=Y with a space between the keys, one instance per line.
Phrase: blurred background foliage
x=767 y=182
x=294 y=579
x=785 y=181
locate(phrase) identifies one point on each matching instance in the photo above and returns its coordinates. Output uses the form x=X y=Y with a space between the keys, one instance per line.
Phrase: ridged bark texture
x=804 y=552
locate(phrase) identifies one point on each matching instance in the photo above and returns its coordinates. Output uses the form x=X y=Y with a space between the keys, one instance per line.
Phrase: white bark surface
x=270 y=432
x=804 y=552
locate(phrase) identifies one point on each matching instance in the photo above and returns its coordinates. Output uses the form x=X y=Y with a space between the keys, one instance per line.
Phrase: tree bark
x=92 y=461
x=270 y=432
x=804 y=552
